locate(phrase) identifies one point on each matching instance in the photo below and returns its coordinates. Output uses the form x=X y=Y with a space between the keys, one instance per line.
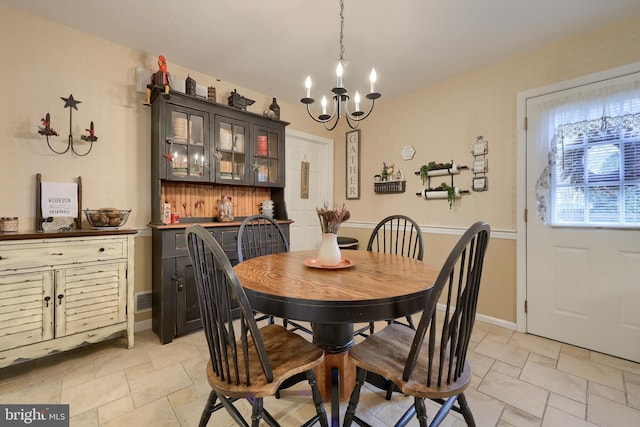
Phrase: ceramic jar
x=225 y=213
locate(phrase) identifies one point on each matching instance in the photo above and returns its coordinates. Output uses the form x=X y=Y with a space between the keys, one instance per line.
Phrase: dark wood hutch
x=200 y=151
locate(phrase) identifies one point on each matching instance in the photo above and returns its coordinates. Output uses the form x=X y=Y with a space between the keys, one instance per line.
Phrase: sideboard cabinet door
x=61 y=293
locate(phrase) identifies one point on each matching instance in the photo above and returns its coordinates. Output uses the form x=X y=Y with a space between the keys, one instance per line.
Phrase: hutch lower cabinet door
x=175 y=299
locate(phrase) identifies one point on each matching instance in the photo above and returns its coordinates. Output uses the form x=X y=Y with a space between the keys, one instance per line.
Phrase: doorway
x=318 y=153
x=576 y=284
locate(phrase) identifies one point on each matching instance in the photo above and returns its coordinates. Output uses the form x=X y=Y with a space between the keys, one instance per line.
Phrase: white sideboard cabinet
x=59 y=291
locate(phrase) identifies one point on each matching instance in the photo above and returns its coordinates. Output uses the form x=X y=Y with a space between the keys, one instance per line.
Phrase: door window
x=593 y=175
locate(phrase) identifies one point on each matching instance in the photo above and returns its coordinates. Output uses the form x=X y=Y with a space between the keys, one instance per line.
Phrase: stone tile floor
x=518 y=380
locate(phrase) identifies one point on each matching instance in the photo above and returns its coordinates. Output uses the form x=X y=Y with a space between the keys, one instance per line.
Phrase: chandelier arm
x=51 y=148
x=332 y=127
x=350 y=119
x=364 y=116
x=312 y=116
x=323 y=120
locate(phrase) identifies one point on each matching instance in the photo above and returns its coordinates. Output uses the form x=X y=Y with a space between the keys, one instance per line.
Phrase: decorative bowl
x=107 y=218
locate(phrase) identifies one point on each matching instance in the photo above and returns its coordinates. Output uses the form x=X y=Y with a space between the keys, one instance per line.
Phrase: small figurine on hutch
x=190 y=86
x=238 y=101
x=211 y=93
x=159 y=78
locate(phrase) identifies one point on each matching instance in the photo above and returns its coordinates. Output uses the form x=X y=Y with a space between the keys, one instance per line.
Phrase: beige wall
x=44 y=61
x=441 y=121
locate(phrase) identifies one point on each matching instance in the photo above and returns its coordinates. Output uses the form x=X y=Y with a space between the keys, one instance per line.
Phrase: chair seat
x=288 y=353
x=385 y=353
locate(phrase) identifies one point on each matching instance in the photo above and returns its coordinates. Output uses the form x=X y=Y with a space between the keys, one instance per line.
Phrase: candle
x=307 y=84
x=372 y=78
x=339 y=70
x=357 y=100
x=324 y=105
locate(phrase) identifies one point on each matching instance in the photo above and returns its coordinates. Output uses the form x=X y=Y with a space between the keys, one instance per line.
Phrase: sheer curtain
x=582 y=131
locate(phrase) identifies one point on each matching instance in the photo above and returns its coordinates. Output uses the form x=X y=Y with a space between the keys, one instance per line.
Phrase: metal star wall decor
x=70 y=102
x=46 y=130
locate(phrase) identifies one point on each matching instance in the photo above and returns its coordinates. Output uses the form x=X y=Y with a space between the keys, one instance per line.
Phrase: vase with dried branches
x=330 y=220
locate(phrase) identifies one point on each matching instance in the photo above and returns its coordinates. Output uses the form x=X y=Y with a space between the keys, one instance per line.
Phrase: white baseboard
x=142 y=325
x=495 y=321
x=488 y=319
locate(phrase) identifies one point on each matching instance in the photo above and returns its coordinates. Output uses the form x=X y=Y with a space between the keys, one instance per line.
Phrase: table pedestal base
x=335 y=339
x=346 y=376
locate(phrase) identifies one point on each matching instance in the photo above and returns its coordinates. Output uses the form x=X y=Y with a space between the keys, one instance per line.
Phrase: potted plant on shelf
x=434 y=169
x=440 y=192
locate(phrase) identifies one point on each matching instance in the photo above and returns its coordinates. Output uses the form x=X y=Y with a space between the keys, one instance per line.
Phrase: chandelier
x=340 y=94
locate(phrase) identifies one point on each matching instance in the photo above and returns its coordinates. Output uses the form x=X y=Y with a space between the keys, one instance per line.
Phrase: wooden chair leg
x=421 y=411
x=317 y=398
x=256 y=412
x=208 y=409
x=361 y=375
x=465 y=410
x=390 y=386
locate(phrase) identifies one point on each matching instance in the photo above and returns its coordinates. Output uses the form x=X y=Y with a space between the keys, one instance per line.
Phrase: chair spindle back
x=219 y=293
x=260 y=235
x=448 y=331
x=399 y=235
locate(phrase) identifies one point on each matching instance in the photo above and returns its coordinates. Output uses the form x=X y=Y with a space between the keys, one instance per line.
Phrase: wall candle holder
x=46 y=130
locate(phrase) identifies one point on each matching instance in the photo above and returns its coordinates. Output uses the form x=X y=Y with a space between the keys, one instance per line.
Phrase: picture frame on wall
x=352 y=164
x=479 y=183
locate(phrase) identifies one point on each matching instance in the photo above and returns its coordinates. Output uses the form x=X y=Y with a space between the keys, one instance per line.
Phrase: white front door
x=582 y=284
x=318 y=152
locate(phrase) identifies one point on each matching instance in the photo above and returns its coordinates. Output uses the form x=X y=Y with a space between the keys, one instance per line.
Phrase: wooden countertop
x=206 y=224
x=34 y=234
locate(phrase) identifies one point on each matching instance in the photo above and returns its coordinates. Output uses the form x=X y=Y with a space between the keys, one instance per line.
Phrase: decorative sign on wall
x=479 y=151
x=304 y=179
x=353 y=164
x=408 y=152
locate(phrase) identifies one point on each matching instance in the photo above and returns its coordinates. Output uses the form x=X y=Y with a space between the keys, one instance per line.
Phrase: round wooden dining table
x=368 y=286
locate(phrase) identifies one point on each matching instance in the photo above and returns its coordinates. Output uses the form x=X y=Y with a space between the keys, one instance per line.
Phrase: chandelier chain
x=341 y=29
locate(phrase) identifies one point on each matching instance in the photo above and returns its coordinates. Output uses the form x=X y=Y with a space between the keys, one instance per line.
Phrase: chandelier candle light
x=340 y=95
x=330 y=221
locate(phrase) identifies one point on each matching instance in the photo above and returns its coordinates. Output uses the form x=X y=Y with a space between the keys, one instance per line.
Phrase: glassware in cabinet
x=230 y=150
x=186 y=149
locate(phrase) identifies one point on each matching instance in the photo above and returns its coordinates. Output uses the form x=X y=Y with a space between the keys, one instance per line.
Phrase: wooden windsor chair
x=430 y=362
x=399 y=235
x=245 y=362
x=261 y=235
